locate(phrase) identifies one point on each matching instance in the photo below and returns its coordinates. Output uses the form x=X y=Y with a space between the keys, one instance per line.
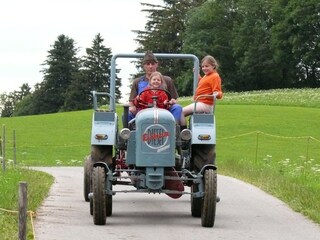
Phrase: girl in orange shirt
x=208 y=84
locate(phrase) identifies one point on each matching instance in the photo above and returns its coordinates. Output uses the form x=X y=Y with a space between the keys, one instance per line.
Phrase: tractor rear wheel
x=88 y=164
x=203 y=154
x=102 y=153
x=91 y=206
x=99 y=196
x=209 y=199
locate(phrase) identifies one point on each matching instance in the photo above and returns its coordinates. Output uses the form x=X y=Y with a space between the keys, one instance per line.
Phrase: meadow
x=268 y=138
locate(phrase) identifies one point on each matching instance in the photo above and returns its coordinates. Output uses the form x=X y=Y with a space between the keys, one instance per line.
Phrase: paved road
x=245 y=212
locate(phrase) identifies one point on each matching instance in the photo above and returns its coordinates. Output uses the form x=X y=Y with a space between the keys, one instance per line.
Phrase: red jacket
x=146 y=99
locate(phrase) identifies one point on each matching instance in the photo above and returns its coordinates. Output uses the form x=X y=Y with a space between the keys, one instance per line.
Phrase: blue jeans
x=176 y=111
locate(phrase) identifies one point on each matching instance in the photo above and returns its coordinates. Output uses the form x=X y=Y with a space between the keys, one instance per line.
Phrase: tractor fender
x=102 y=164
x=208 y=166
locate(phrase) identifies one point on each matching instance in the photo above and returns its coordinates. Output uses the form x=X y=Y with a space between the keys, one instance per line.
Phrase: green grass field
x=268 y=138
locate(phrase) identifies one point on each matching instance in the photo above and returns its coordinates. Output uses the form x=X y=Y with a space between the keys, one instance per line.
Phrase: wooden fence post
x=23 y=206
x=257 y=146
x=3 y=148
x=14 y=148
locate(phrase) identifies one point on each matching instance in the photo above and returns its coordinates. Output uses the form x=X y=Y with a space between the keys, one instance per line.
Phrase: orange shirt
x=207 y=85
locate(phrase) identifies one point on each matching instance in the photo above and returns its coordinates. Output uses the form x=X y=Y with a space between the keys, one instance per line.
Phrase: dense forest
x=260 y=45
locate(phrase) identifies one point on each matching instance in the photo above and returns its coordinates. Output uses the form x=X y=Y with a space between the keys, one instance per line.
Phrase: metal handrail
x=141 y=55
x=214 y=96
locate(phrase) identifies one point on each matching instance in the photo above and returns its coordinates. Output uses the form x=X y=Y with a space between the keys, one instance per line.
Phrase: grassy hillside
x=64 y=138
x=268 y=138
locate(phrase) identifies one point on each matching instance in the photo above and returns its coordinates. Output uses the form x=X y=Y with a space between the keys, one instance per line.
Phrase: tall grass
x=38 y=184
x=50 y=139
x=271 y=139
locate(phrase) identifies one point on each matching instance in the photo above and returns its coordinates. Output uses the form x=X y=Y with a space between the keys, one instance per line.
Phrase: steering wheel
x=155 y=98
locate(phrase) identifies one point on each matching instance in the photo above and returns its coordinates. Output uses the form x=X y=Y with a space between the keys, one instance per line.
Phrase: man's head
x=149 y=58
x=150 y=63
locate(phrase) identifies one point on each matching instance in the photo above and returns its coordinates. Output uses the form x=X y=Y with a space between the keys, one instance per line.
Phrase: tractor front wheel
x=209 y=199
x=99 y=196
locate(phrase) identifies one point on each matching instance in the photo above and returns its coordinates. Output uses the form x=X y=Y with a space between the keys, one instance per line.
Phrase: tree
x=296 y=37
x=11 y=100
x=68 y=81
x=252 y=46
x=209 y=31
x=164 y=32
x=238 y=33
x=30 y=104
x=78 y=94
x=62 y=68
x=25 y=90
x=94 y=76
x=6 y=105
x=25 y=107
x=97 y=67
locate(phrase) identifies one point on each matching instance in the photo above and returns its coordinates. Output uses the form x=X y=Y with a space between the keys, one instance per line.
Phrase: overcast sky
x=30 y=27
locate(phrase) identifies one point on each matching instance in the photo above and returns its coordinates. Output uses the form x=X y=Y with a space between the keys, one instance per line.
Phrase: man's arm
x=132 y=96
x=134 y=90
x=171 y=87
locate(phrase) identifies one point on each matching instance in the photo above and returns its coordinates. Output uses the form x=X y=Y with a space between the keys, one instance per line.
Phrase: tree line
x=260 y=45
x=67 y=80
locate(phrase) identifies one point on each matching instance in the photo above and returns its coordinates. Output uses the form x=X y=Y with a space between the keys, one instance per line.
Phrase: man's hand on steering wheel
x=172 y=101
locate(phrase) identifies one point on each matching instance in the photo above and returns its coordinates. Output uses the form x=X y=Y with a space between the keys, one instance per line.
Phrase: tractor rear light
x=204 y=137
x=125 y=133
x=185 y=134
x=101 y=137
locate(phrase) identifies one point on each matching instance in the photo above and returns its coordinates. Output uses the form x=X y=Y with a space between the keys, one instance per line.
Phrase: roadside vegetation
x=38 y=184
x=267 y=138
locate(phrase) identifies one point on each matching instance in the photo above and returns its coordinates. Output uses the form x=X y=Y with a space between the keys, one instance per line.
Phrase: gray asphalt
x=244 y=212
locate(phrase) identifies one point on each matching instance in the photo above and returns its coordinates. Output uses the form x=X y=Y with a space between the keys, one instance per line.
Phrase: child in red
x=156 y=88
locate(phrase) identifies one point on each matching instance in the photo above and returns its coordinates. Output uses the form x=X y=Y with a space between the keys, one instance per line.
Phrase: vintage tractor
x=150 y=154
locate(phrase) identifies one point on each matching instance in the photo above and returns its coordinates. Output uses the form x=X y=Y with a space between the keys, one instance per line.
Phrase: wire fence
x=297 y=154
x=256 y=146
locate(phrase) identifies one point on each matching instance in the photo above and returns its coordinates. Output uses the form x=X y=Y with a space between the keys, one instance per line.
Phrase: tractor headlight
x=125 y=133
x=185 y=134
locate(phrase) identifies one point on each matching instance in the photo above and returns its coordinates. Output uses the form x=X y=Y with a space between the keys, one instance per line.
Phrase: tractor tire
x=202 y=154
x=102 y=153
x=88 y=164
x=196 y=203
x=208 y=211
x=108 y=205
x=98 y=154
x=91 y=207
x=99 y=196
